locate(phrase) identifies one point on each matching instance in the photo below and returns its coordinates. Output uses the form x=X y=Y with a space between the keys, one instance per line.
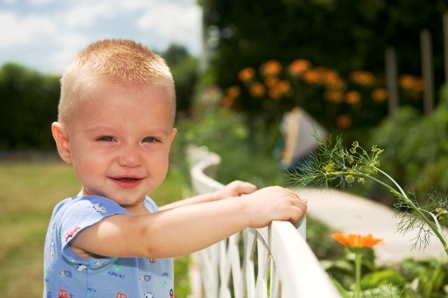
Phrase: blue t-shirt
x=68 y=275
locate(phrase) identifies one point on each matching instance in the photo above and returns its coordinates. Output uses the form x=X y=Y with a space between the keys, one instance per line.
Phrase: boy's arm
x=233 y=189
x=187 y=229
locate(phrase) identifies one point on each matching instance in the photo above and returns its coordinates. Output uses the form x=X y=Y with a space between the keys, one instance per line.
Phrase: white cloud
x=174 y=24
x=86 y=15
x=47 y=34
x=67 y=49
x=8 y=2
x=24 y=30
x=40 y=2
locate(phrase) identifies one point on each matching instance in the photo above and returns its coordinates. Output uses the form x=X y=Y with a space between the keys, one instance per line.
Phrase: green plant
x=415 y=151
x=334 y=164
x=357 y=245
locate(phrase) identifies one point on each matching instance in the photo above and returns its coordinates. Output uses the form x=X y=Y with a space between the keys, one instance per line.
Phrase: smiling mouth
x=126 y=182
x=127 y=179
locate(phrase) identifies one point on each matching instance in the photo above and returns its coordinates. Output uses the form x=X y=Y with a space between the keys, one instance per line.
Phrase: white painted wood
x=272 y=262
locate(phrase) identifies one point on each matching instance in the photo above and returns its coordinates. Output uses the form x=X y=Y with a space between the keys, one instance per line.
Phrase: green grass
x=30 y=190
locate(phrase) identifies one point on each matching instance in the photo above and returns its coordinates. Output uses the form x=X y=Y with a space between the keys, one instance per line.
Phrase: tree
x=28 y=107
x=340 y=35
x=184 y=69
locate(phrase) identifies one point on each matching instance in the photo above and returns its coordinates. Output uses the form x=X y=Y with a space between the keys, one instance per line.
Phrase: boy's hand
x=235 y=189
x=274 y=203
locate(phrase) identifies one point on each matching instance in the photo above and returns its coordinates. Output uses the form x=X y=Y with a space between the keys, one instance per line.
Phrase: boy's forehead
x=96 y=90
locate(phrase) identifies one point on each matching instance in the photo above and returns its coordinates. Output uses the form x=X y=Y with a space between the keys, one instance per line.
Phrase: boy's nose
x=130 y=157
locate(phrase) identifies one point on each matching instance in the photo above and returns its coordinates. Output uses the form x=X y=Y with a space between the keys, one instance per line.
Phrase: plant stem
x=402 y=196
x=358 y=258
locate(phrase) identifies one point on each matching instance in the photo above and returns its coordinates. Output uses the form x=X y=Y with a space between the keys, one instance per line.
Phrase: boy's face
x=119 y=146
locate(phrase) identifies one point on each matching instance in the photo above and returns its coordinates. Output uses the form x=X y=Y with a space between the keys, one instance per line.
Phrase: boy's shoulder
x=98 y=204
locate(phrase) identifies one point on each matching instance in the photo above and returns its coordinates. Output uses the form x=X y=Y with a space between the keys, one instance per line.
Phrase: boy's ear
x=61 y=138
x=173 y=134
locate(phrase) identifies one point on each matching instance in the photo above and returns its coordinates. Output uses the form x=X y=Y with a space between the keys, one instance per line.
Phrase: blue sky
x=46 y=34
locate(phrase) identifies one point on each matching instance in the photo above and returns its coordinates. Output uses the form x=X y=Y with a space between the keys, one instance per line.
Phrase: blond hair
x=123 y=61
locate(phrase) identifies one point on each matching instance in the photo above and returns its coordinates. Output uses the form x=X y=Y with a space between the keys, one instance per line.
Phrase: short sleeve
x=78 y=214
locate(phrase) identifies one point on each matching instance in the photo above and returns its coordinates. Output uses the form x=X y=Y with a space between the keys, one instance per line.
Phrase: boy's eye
x=150 y=140
x=105 y=139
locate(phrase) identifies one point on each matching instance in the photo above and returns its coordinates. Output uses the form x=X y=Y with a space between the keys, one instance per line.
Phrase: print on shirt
x=146 y=277
x=52 y=244
x=71 y=233
x=63 y=293
x=65 y=274
x=98 y=208
x=81 y=267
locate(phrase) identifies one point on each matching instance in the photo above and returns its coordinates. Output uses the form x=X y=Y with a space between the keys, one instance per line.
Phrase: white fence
x=271 y=262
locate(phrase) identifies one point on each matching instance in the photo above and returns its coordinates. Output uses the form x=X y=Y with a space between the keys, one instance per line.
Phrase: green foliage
x=416 y=150
x=182 y=283
x=429 y=277
x=336 y=34
x=383 y=277
x=184 y=70
x=245 y=154
x=29 y=100
x=333 y=164
x=28 y=107
x=319 y=239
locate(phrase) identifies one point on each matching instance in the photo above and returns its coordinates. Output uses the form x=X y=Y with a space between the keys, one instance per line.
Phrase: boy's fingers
x=297 y=196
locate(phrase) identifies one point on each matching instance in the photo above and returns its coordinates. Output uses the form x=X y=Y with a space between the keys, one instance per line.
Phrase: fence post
x=445 y=44
x=427 y=71
x=301 y=227
x=391 y=75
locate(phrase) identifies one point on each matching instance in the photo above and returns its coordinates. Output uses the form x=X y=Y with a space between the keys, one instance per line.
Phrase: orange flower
x=335 y=96
x=271 y=68
x=333 y=80
x=246 y=74
x=352 y=97
x=344 y=121
x=407 y=81
x=275 y=93
x=356 y=240
x=363 y=78
x=312 y=77
x=257 y=90
x=284 y=86
x=233 y=92
x=271 y=82
x=379 y=94
x=298 y=66
x=228 y=101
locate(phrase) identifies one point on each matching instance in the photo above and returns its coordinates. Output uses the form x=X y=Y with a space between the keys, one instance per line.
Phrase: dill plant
x=334 y=165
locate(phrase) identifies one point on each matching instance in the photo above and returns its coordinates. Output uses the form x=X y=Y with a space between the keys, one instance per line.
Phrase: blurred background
x=372 y=71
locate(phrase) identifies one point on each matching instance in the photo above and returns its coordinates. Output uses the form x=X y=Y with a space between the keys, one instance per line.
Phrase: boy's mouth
x=127 y=179
x=126 y=182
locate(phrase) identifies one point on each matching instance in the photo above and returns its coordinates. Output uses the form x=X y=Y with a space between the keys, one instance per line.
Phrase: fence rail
x=270 y=262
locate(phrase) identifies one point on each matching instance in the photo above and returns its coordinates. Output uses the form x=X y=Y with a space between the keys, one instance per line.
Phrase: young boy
x=115 y=126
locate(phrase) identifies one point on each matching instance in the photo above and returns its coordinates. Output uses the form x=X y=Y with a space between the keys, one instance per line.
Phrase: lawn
x=30 y=192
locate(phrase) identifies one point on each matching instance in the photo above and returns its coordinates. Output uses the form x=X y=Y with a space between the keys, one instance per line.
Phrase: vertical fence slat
x=286 y=265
